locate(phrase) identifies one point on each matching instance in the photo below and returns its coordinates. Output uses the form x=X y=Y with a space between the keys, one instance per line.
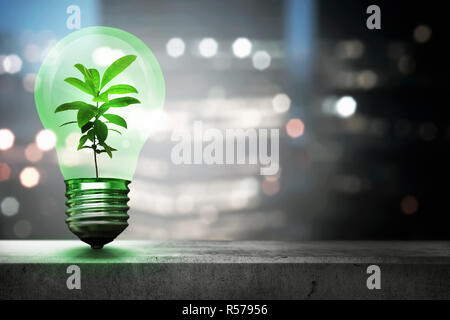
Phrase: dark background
x=378 y=174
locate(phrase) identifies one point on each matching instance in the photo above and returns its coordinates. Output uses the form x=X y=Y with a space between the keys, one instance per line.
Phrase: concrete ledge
x=225 y=270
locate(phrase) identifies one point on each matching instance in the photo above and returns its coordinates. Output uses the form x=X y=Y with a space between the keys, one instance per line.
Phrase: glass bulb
x=98 y=47
x=97 y=182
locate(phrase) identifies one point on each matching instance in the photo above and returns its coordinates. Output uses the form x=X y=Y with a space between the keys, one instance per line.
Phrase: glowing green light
x=98 y=47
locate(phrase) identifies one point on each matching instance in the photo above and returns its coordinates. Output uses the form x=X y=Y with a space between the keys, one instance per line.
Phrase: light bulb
x=97 y=185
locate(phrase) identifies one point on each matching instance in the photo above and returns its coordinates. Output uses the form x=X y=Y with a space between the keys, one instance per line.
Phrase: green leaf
x=95 y=77
x=77 y=83
x=116 y=67
x=122 y=102
x=91 y=135
x=81 y=68
x=108 y=149
x=86 y=127
x=103 y=108
x=101 y=98
x=83 y=140
x=115 y=131
x=101 y=131
x=121 y=89
x=65 y=124
x=70 y=106
x=117 y=103
x=118 y=120
x=85 y=114
x=87 y=77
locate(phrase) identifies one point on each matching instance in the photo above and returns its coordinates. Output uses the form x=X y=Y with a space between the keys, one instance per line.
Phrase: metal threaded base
x=97 y=209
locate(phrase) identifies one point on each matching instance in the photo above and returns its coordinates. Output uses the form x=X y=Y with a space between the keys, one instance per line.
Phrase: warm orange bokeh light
x=270 y=187
x=5 y=171
x=409 y=205
x=29 y=177
x=295 y=128
x=33 y=153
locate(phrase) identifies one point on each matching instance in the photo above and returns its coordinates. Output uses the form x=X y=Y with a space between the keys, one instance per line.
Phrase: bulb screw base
x=97 y=209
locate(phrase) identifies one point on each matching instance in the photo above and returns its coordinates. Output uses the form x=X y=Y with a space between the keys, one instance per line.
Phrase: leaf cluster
x=95 y=121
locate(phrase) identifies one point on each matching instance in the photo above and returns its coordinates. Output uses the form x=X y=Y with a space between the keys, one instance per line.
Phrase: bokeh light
x=32 y=53
x=238 y=199
x=9 y=206
x=367 y=79
x=406 y=65
x=46 y=140
x=6 y=139
x=33 y=153
x=409 y=205
x=12 y=63
x=281 y=103
x=346 y=107
x=175 y=47
x=70 y=158
x=22 y=229
x=295 y=128
x=422 y=34
x=352 y=49
x=242 y=47
x=208 y=47
x=72 y=140
x=104 y=56
x=261 y=60
x=5 y=171
x=270 y=187
x=29 y=81
x=29 y=177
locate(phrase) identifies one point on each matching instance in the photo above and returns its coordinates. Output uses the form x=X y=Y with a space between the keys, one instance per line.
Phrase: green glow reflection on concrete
x=106 y=255
x=69 y=251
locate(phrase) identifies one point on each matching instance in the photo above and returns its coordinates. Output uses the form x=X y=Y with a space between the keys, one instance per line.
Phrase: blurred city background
x=363 y=118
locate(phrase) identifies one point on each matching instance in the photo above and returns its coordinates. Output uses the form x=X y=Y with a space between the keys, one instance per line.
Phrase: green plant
x=93 y=120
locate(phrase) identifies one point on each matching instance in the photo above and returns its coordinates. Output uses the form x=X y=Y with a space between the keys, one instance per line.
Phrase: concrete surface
x=225 y=270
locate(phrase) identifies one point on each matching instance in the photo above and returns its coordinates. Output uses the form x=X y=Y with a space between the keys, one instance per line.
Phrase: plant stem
x=95 y=152
x=95 y=159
